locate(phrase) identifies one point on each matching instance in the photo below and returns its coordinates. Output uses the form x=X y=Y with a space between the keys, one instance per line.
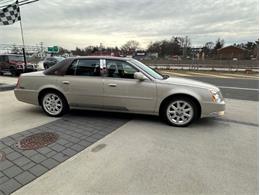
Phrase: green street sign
x=54 y=49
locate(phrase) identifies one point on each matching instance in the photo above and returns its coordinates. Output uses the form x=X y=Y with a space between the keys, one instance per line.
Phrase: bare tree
x=219 y=44
x=208 y=49
x=185 y=43
x=131 y=45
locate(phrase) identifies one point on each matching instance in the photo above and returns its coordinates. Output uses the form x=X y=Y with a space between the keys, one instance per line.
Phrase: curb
x=6 y=87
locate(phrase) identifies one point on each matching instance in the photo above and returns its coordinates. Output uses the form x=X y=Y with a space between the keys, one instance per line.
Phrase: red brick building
x=231 y=52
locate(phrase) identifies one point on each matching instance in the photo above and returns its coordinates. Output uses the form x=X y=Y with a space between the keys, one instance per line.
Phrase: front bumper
x=211 y=109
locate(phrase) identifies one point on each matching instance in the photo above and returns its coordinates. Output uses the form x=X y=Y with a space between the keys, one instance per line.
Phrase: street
x=233 y=87
x=110 y=153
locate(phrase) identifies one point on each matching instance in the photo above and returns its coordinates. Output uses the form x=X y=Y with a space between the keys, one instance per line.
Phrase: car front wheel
x=53 y=104
x=180 y=112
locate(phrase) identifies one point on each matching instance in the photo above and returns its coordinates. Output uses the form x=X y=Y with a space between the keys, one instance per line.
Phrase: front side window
x=119 y=69
x=147 y=69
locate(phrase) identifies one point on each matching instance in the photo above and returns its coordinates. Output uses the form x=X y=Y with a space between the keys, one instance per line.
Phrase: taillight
x=18 y=83
x=19 y=66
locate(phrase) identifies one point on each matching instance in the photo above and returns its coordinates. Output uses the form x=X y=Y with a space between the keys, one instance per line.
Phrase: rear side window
x=72 y=68
x=88 y=68
x=84 y=67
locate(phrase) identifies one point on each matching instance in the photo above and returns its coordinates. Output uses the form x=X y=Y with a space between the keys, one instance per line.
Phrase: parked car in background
x=118 y=84
x=14 y=64
x=50 y=61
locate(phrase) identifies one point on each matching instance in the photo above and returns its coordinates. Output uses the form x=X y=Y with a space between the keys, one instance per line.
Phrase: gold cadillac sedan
x=121 y=85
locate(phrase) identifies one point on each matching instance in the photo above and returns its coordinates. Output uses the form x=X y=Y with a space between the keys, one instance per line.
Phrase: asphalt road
x=241 y=89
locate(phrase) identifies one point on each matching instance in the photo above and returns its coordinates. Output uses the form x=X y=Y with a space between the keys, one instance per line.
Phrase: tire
x=54 y=104
x=179 y=112
x=13 y=71
x=46 y=66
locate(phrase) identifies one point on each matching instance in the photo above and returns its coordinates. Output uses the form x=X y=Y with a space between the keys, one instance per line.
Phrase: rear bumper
x=211 y=109
x=30 y=70
x=27 y=96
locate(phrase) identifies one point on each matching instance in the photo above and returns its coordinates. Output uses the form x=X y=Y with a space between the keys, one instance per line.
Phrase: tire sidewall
x=64 y=104
x=189 y=101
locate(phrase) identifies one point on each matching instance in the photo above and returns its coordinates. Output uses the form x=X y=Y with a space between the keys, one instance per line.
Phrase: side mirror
x=140 y=76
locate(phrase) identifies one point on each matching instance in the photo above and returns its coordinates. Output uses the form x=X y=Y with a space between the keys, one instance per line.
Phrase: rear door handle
x=66 y=82
x=112 y=85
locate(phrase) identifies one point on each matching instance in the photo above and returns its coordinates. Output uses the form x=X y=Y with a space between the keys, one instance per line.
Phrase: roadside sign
x=54 y=49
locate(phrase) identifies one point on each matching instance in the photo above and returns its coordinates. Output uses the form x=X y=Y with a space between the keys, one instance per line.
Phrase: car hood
x=188 y=82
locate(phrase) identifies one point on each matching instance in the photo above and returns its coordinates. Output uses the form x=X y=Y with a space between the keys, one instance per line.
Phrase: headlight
x=215 y=96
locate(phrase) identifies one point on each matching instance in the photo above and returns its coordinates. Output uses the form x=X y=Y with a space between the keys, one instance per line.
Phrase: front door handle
x=112 y=85
x=66 y=82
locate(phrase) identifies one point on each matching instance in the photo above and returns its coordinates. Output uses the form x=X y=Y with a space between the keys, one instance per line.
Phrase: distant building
x=231 y=52
x=140 y=55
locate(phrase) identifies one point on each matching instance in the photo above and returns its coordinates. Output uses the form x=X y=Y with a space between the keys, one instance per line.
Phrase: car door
x=123 y=92
x=82 y=84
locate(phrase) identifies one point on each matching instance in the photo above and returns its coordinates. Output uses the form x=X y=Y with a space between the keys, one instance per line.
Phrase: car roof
x=11 y=54
x=101 y=57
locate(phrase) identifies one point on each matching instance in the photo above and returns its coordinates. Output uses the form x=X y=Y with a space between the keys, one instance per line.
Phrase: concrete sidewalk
x=7 y=83
x=147 y=157
x=17 y=116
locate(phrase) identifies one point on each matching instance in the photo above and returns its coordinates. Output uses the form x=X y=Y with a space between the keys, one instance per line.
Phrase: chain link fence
x=204 y=64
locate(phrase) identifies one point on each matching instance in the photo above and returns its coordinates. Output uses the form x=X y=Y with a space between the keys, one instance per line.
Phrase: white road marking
x=178 y=74
x=238 y=88
x=222 y=75
x=211 y=75
x=241 y=76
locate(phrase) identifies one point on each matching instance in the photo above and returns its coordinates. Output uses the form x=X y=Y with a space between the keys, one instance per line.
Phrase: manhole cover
x=2 y=156
x=37 y=140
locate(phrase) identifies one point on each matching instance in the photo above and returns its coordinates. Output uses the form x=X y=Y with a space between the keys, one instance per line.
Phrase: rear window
x=3 y=58
x=16 y=58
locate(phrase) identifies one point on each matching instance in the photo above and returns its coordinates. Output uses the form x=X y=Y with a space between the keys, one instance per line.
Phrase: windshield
x=59 y=59
x=147 y=69
x=16 y=58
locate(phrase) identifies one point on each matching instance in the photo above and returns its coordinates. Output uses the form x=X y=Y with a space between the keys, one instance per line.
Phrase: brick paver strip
x=75 y=134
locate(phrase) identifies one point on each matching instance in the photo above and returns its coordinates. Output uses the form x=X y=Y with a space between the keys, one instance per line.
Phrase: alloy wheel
x=52 y=104
x=180 y=112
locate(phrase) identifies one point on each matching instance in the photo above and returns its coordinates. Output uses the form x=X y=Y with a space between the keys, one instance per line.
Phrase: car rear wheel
x=180 y=112
x=54 y=104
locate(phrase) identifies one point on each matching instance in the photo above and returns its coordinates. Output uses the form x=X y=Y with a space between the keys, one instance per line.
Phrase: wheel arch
x=178 y=95
x=50 y=89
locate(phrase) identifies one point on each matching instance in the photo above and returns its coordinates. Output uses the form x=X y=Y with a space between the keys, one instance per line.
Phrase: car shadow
x=129 y=116
x=74 y=113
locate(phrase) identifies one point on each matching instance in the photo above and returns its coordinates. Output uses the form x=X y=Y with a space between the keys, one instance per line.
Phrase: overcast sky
x=81 y=23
